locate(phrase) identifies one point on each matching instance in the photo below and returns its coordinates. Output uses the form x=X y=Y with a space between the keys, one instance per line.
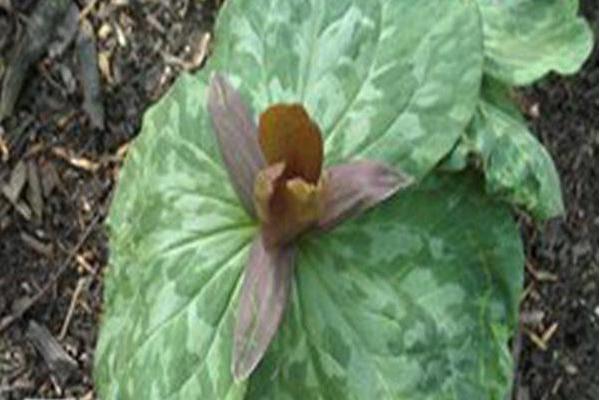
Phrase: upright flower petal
x=287 y=134
x=237 y=136
x=263 y=298
x=354 y=187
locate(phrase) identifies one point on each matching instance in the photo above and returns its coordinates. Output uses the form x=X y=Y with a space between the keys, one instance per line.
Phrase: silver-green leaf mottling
x=423 y=310
x=415 y=299
x=384 y=80
x=517 y=167
x=179 y=241
x=525 y=39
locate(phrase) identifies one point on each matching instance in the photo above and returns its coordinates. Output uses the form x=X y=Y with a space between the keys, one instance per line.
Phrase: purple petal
x=262 y=302
x=354 y=187
x=237 y=136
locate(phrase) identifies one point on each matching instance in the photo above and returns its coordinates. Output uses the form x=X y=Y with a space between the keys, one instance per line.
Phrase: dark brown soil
x=561 y=299
x=146 y=47
x=53 y=247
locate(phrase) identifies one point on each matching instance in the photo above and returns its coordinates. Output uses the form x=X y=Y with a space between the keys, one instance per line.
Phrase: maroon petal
x=237 y=136
x=354 y=187
x=262 y=302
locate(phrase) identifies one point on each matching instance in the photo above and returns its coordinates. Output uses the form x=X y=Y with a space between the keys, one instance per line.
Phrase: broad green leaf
x=387 y=81
x=414 y=300
x=516 y=165
x=525 y=39
x=179 y=242
x=384 y=80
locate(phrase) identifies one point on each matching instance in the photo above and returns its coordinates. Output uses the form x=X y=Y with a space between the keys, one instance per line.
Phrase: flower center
x=289 y=192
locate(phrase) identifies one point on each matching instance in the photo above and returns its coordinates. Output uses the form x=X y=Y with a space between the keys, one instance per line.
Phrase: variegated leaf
x=517 y=167
x=525 y=39
x=179 y=242
x=415 y=299
x=384 y=80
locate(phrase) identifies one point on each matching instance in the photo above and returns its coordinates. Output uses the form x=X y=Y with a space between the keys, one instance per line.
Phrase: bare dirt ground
x=60 y=153
x=559 y=358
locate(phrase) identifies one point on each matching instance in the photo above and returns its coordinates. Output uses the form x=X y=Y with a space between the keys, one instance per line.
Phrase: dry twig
x=80 y=285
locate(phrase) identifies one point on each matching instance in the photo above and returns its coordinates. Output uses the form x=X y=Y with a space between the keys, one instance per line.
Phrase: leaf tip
x=240 y=371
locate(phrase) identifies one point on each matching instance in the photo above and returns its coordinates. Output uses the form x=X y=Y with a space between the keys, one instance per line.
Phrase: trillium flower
x=277 y=172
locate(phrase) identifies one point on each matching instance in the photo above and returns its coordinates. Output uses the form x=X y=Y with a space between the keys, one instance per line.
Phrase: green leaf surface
x=516 y=165
x=179 y=241
x=384 y=80
x=433 y=275
x=413 y=300
x=525 y=39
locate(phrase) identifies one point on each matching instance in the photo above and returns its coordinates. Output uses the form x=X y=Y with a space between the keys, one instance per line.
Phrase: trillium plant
x=277 y=174
x=325 y=210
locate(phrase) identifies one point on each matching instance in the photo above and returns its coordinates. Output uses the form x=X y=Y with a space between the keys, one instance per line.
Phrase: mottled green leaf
x=516 y=165
x=414 y=300
x=525 y=39
x=179 y=242
x=385 y=80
